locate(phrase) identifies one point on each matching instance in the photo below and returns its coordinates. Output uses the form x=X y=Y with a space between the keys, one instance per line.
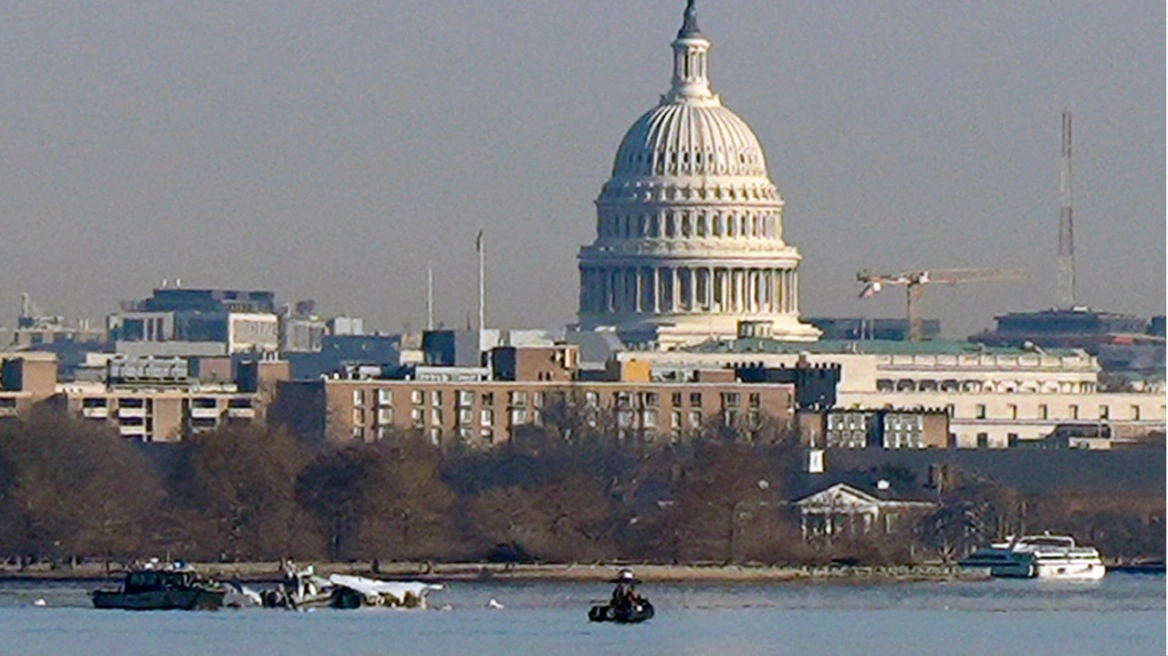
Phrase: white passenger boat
x=1039 y=556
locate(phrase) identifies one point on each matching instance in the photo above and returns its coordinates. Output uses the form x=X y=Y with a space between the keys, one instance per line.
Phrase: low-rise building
x=481 y=407
x=994 y=396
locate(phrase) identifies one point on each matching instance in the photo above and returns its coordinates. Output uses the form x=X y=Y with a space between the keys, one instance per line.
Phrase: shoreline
x=534 y=573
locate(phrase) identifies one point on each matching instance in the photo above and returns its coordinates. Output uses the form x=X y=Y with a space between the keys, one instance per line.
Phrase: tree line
x=567 y=491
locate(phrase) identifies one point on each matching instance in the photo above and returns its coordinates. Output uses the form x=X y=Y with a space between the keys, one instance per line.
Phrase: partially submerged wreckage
x=175 y=587
x=303 y=589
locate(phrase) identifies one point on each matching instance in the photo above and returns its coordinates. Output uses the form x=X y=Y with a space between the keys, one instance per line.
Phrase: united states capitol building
x=689 y=228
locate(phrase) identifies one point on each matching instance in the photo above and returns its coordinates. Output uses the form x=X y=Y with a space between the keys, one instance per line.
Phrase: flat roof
x=865 y=347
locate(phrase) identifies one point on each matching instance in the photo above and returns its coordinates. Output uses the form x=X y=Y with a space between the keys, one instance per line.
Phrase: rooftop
x=865 y=347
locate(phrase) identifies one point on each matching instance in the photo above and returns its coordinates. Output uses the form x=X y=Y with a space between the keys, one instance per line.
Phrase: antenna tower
x=1066 y=243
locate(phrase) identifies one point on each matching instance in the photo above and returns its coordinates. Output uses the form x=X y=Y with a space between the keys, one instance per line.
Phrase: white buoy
x=494 y=605
x=40 y=602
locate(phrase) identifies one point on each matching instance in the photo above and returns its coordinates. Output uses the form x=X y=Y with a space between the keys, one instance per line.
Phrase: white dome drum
x=689 y=238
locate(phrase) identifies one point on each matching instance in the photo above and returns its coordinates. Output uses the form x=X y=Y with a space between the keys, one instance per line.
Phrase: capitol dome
x=689 y=241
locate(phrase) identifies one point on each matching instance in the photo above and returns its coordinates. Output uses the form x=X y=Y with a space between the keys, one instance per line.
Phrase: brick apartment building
x=485 y=406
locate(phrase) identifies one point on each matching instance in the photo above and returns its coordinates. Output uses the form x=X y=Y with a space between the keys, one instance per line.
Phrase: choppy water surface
x=1123 y=614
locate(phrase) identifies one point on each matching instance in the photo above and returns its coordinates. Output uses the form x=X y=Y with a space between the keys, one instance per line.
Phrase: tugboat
x=170 y=589
x=627 y=606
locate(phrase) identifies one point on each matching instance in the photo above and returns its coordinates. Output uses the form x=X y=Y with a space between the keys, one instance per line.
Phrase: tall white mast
x=1066 y=252
x=481 y=248
x=429 y=296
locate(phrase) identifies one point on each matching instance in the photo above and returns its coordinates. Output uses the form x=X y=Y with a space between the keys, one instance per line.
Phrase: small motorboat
x=169 y=589
x=627 y=606
x=638 y=611
x=1043 y=556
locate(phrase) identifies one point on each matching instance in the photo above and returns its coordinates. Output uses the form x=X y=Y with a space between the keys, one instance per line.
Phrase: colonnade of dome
x=654 y=290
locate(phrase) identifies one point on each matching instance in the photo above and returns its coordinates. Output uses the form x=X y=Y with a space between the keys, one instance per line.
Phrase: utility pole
x=429 y=296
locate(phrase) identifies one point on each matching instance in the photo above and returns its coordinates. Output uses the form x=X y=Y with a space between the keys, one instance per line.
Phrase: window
x=695 y=419
x=384 y=397
x=518 y=416
x=358 y=433
x=418 y=417
x=418 y=397
x=465 y=416
x=488 y=398
x=537 y=399
x=358 y=397
x=1135 y=413
x=731 y=399
x=1012 y=410
x=695 y=399
x=649 y=399
x=755 y=400
x=1104 y=412
x=675 y=398
x=436 y=417
x=435 y=436
x=487 y=417
x=384 y=416
x=465 y=398
x=517 y=398
x=980 y=411
x=591 y=399
x=1073 y=410
x=983 y=440
x=1043 y=411
x=675 y=419
x=358 y=416
x=436 y=398
x=649 y=419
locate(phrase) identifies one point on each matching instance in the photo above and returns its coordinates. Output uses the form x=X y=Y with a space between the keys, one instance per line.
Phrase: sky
x=330 y=150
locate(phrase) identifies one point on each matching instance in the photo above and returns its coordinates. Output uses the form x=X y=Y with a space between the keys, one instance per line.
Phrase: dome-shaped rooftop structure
x=689 y=227
x=681 y=138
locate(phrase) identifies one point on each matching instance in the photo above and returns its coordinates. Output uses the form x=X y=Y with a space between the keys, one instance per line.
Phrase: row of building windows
x=683 y=225
x=988 y=387
x=466 y=398
x=1043 y=412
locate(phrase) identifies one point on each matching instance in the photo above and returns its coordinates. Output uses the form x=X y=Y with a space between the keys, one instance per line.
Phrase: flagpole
x=429 y=296
x=480 y=247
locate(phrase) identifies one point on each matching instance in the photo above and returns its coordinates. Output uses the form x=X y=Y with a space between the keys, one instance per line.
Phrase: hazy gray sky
x=329 y=149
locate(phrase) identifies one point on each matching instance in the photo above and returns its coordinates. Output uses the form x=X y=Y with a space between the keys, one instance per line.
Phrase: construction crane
x=915 y=281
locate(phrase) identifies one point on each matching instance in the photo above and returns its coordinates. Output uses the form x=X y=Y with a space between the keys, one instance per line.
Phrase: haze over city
x=330 y=152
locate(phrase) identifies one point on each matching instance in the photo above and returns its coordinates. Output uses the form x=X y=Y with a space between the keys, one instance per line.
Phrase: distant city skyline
x=330 y=153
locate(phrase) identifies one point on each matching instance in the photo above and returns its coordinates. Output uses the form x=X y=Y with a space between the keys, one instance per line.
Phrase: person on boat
x=625 y=593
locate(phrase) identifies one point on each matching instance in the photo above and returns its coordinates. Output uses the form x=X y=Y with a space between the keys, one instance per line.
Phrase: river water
x=1123 y=614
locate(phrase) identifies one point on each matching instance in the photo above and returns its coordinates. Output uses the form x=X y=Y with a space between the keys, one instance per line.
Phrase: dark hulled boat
x=161 y=590
x=638 y=611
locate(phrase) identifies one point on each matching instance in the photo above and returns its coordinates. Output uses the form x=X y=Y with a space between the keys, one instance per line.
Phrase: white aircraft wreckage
x=303 y=589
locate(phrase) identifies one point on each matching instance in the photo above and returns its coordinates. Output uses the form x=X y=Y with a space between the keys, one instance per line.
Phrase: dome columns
x=612 y=291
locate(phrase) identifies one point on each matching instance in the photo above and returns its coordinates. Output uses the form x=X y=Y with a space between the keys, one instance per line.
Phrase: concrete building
x=26 y=379
x=480 y=407
x=689 y=228
x=1130 y=349
x=993 y=396
x=237 y=321
x=158 y=400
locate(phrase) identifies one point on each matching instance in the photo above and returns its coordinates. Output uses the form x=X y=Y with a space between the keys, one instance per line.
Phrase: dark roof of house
x=899 y=488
